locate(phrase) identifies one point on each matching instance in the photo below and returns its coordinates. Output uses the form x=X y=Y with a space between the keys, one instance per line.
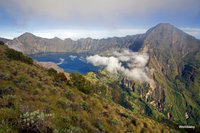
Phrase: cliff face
x=175 y=58
x=174 y=55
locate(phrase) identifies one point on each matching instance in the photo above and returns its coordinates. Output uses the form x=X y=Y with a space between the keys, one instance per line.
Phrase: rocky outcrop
x=51 y=65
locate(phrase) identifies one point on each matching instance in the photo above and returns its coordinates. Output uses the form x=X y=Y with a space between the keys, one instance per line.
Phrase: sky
x=95 y=18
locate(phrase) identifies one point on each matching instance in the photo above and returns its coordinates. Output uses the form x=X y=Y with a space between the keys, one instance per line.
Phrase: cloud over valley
x=131 y=64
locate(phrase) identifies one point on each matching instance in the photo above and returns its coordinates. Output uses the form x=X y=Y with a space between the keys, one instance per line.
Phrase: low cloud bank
x=131 y=64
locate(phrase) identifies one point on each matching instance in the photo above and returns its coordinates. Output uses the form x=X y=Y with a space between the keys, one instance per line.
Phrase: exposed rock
x=51 y=65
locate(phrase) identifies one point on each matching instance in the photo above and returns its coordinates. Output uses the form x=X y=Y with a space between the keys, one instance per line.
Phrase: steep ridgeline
x=31 y=44
x=175 y=58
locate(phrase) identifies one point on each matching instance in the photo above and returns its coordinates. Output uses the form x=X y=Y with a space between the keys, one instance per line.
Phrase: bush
x=81 y=83
x=35 y=91
x=44 y=98
x=66 y=119
x=75 y=118
x=64 y=103
x=15 y=55
x=53 y=90
x=51 y=72
x=21 y=82
x=1 y=43
x=6 y=90
x=99 y=125
x=114 y=121
x=85 y=105
x=35 y=121
x=69 y=94
x=5 y=76
x=72 y=129
x=59 y=77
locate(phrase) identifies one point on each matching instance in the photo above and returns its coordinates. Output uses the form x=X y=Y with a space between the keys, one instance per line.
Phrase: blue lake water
x=72 y=62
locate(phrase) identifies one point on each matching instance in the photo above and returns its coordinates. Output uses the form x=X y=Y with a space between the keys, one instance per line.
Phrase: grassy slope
x=27 y=88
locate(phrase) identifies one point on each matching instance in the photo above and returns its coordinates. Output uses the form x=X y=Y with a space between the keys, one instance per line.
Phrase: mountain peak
x=162 y=27
x=27 y=34
x=164 y=24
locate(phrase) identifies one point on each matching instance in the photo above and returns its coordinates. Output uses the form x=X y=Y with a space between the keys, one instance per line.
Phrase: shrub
x=64 y=103
x=81 y=83
x=76 y=106
x=15 y=55
x=40 y=86
x=51 y=72
x=1 y=43
x=75 y=117
x=6 y=90
x=99 y=125
x=8 y=121
x=35 y=91
x=5 y=76
x=35 y=121
x=59 y=77
x=21 y=82
x=114 y=121
x=8 y=101
x=69 y=94
x=54 y=90
x=72 y=129
x=66 y=119
x=85 y=105
x=44 y=98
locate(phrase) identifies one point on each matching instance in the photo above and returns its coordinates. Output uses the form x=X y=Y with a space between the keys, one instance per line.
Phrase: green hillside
x=34 y=99
x=102 y=101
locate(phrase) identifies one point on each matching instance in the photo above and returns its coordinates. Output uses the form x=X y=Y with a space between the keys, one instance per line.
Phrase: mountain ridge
x=31 y=44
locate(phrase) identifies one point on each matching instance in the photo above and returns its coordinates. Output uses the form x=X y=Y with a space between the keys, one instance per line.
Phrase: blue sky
x=95 y=18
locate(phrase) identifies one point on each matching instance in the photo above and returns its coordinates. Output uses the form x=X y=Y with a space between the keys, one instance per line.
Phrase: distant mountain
x=4 y=40
x=31 y=44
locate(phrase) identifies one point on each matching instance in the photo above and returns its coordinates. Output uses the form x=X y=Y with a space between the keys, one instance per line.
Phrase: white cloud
x=136 y=64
